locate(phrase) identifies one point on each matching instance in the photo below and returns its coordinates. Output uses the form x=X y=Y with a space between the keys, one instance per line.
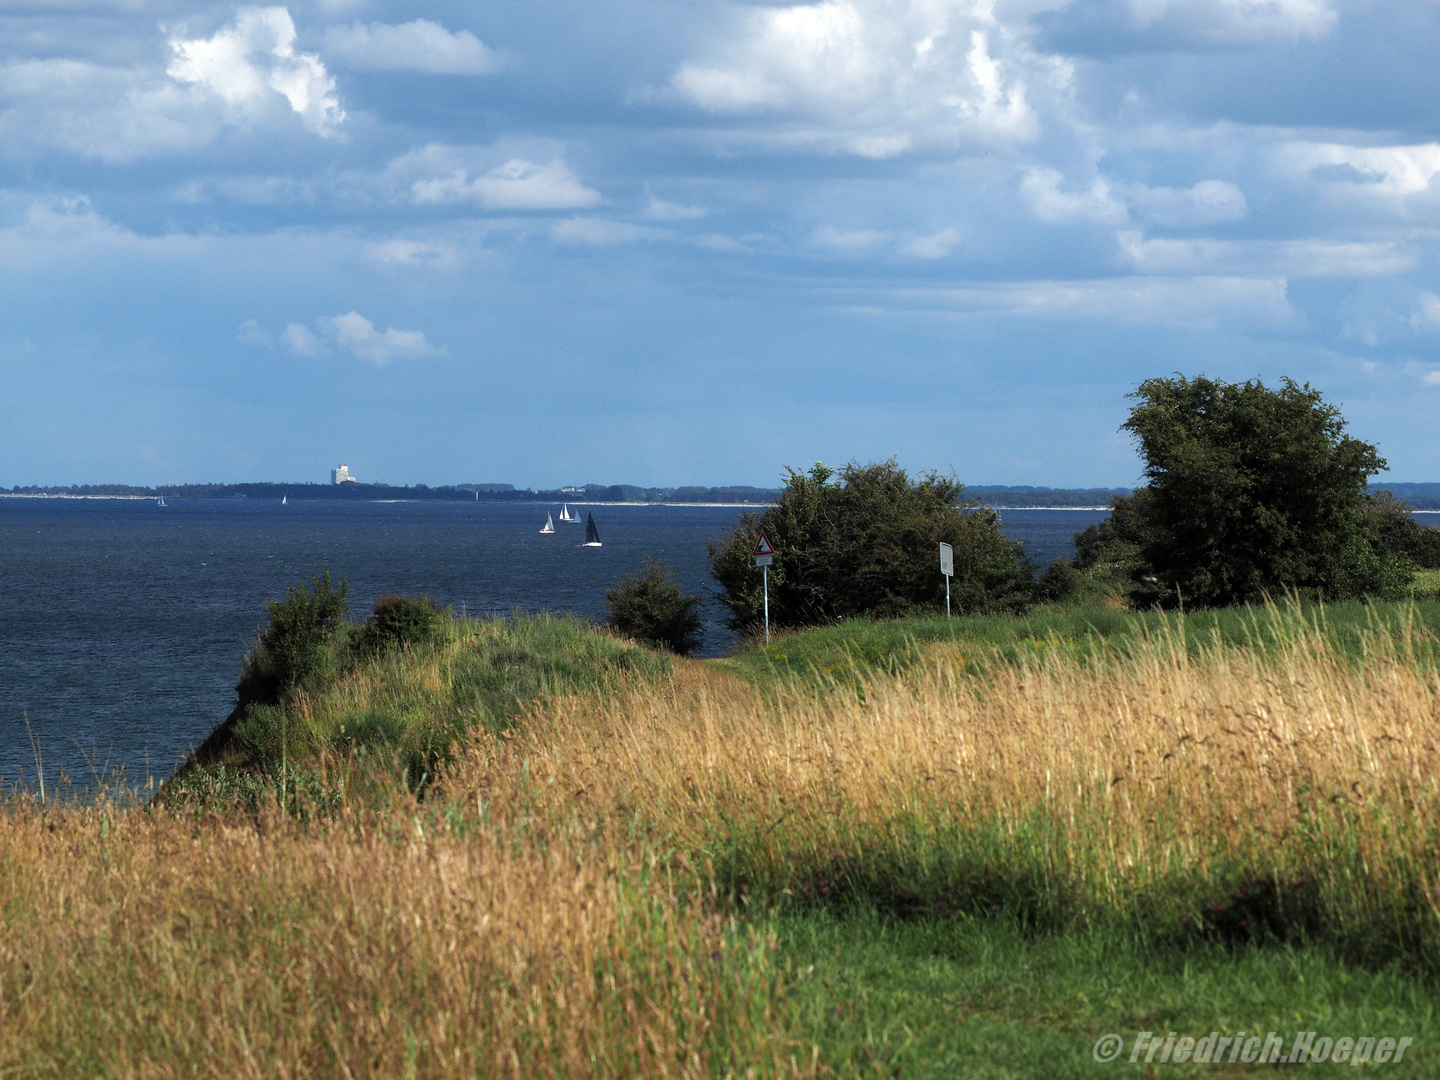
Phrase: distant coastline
x=1420 y=496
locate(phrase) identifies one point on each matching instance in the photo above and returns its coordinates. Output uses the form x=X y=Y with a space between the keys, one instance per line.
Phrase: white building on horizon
x=341 y=475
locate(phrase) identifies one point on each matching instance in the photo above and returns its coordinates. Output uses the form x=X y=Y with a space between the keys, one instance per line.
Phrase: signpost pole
x=766 y=571
x=947 y=567
x=764 y=556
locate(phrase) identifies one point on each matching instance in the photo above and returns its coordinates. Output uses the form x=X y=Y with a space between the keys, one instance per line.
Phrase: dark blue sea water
x=123 y=624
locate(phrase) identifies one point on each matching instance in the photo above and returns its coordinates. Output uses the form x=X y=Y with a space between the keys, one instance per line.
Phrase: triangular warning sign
x=764 y=547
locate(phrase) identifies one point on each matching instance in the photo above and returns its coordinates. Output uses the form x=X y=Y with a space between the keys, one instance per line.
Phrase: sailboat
x=565 y=515
x=283 y=498
x=161 y=502
x=592 y=534
x=549 y=525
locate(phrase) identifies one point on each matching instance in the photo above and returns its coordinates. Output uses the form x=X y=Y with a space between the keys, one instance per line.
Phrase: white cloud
x=420 y=45
x=66 y=229
x=351 y=332
x=252 y=333
x=719 y=242
x=850 y=241
x=599 y=231
x=357 y=334
x=889 y=75
x=879 y=147
x=301 y=340
x=247 y=63
x=414 y=253
x=115 y=114
x=1431 y=378
x=1190 y=302
x=1049 y=203
x=935 y=246
x=1427 y=315
x=518 y=184
x=1236 y=21
x=1107 y=202
x=660 y=210
x=1309 y=258
x=1210 y=202
x=1375 y=170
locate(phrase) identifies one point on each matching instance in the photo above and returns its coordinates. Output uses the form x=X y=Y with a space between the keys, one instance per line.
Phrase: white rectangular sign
x=764 y=560
x=947 y=560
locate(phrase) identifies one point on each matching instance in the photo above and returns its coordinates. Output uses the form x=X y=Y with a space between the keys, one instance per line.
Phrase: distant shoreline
x=570 y=502
x=530 y=499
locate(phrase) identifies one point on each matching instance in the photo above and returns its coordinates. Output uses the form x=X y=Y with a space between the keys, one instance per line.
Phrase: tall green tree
x=865 y=541
x=1251 y=491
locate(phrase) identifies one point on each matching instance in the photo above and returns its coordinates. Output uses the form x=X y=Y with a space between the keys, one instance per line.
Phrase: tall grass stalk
x=1188 y=787
x=35 y=751
x=394 y=944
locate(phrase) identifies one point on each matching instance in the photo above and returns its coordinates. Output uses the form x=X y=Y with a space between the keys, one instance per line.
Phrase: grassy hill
x=919 y=848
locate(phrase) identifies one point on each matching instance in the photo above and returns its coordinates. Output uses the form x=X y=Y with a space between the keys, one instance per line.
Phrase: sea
x=123 y=623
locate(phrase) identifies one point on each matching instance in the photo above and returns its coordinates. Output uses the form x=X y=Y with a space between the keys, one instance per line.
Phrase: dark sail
x=592 y=534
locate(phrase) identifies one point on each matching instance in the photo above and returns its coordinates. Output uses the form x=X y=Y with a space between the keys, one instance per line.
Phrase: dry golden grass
x=1071 y=785
x=555 y=907
x=146 y=945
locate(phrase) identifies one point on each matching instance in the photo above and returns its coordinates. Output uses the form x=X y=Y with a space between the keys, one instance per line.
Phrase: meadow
x=915 y=848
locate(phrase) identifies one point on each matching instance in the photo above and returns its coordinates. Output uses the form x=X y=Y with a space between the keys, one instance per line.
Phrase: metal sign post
x=764 y=556
x=947 y=567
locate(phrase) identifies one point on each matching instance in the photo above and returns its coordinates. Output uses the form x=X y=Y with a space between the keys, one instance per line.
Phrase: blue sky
x=691 y=242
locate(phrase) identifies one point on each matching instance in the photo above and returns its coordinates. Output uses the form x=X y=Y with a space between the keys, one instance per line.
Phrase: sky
x=693 y=242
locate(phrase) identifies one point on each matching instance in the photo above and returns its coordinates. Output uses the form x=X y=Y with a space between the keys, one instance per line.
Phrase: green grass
x=975 y=996
x=979 y=998
x=405 y=711
x=880 y=995
x=1427 y=584
x=856 y=648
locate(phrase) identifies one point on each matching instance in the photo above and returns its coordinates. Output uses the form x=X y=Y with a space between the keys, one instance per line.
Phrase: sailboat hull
x=592 y=534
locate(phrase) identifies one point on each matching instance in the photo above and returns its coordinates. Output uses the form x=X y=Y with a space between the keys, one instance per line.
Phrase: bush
x=651 y=607
x=1399 y=533
x=1426 y=551
x=1252 y=492
x=305 y=633
x=867 y=544
x=401 y=622
x=1059 y=582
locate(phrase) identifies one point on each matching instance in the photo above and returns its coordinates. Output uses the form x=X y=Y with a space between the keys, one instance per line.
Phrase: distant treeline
x=1419 y=496
x=1001 y=496
x=447 y=493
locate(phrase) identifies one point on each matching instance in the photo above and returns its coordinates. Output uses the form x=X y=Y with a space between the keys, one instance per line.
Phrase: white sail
x=565 y=514
x=549 y=525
